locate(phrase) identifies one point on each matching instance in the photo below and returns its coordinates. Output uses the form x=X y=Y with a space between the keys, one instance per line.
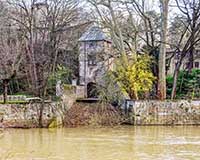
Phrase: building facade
x=94 y=59
x=185 y=64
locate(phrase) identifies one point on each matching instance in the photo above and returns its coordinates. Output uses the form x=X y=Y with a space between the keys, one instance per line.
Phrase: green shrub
x=188 y=84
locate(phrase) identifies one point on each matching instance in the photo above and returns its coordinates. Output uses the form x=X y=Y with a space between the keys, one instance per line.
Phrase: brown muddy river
x=122 y=143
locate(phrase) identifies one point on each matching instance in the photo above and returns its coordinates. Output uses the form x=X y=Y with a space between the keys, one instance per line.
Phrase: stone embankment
x=29 y=115
x=165 y=113
x=142 y=113
x=32 y=115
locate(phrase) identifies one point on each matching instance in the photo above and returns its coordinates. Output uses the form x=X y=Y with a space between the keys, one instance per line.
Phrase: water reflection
x=121 y=143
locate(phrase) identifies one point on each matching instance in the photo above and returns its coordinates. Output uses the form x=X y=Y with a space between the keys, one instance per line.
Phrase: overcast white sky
x=151 y=5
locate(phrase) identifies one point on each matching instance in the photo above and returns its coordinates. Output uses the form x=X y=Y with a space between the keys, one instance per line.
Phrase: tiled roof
x=94 y=34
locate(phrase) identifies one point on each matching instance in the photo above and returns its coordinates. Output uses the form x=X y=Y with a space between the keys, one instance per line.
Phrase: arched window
x=196 y=64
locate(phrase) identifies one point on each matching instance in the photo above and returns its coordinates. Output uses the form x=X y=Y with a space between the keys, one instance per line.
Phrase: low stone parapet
x=142 y=113
x=165 y=113
x=28 y=115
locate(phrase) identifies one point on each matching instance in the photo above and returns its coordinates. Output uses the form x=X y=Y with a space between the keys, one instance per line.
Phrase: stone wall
x=27 y=115
x=165 y=113
x=143 y=113
x=69 y=95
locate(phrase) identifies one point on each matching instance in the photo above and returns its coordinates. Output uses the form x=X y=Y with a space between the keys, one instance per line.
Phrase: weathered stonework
x=143 y=113
x=166 y=113
x=27 y=115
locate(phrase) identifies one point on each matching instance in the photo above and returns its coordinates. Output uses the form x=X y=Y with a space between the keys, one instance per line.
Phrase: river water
x=121 y=143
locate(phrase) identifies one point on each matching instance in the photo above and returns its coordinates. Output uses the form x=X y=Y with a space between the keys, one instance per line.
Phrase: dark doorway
x=92 y=90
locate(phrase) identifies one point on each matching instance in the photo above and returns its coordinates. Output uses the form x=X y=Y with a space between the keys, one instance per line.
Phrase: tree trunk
x=191 y=52
x=191 y=60
x=116 y=26
x=192 y=42
x=175 y=79
x=5 y=93
x=42 y=105
x=162 y=54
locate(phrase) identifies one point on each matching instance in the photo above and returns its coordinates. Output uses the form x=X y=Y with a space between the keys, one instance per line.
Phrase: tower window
x=92 y=60
x=196 y=64
x=92 y=44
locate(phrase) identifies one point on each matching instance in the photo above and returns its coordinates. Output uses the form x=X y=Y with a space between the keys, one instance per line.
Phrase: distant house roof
x=94 y=34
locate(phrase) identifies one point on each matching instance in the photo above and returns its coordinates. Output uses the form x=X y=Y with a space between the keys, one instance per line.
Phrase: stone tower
x=94 y=58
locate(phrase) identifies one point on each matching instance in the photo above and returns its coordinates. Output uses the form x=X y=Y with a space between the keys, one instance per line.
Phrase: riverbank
x=83 y=114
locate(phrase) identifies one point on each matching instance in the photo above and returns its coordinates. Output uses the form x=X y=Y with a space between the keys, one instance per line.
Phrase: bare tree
x=139 y=7
x=10 y=51
x=189 y=37
x=42 y=24
x=109 y=17
x=146 y=32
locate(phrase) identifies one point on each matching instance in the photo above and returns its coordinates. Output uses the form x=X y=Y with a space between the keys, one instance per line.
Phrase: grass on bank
x=14 y=102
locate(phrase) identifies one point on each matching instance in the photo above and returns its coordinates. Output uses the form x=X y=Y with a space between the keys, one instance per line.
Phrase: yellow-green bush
x=134 y=74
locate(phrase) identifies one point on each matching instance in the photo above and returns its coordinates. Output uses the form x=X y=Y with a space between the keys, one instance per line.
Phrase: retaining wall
x=165 y=113
x=27 y=115
x=143 y=113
